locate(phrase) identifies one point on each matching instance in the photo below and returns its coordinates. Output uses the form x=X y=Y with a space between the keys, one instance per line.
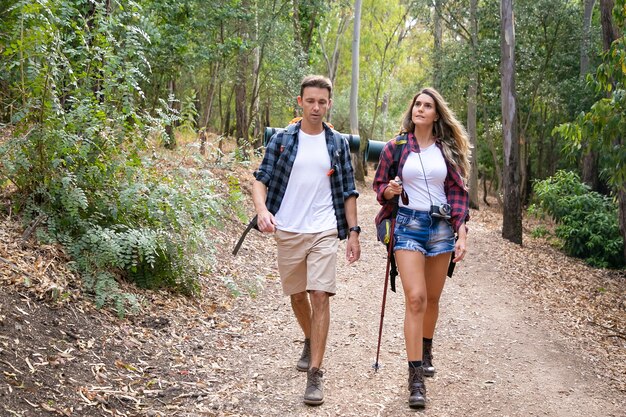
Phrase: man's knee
x=298 y=298
x=319 y=298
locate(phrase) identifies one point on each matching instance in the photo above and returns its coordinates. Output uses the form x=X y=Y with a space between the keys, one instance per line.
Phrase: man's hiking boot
x=427 y=360
x=417 y=389
x=305 y=358
x=314 y=394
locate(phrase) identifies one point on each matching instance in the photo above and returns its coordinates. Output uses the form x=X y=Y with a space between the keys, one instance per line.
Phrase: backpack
x=383 y=229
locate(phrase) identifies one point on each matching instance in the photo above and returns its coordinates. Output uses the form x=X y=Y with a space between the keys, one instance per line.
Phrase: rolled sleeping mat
x=353 y=140
x=373 y=150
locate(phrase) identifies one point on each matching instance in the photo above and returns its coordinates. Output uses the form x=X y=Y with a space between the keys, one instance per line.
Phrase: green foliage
x=587 y=221
x=73 y=70
x=603 y=127
x=540 y=231
x=189 y=113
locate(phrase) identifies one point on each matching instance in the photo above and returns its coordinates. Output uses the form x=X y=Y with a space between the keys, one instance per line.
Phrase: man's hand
x=265 y=221
x=353 y=248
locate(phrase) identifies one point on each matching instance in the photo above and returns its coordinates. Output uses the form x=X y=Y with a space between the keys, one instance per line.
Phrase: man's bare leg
x=320 y=322
x=302 y=310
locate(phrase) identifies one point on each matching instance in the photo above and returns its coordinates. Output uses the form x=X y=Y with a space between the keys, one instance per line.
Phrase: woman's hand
x=394 y=188
x=460 y=248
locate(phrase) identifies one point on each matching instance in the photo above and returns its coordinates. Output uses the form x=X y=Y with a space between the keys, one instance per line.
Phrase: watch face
x=356 y=229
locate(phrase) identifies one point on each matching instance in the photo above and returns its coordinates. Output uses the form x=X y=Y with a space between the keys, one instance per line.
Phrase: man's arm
x=265 y=219
x=353 y=247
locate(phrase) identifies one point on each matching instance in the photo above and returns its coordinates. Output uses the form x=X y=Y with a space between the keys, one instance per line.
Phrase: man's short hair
x=318 y=81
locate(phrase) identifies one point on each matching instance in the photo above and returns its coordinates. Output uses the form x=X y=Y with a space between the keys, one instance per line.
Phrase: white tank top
x=414 y=183
x=307 y=205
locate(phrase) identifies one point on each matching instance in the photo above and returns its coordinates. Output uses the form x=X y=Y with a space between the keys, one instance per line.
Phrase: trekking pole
x=376 y=365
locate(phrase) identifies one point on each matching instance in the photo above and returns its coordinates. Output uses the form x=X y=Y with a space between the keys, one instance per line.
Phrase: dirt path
x=497 y=353
x=523 y=331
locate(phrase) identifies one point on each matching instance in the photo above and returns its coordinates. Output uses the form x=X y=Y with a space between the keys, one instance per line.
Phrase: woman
x=431 y=175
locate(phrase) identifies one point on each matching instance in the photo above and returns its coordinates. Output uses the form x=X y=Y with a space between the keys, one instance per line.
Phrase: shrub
x=75 y=158
x=587 y=222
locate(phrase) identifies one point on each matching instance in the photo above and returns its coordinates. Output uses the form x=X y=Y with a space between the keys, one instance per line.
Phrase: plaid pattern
x=455 y=190
x=280 y=155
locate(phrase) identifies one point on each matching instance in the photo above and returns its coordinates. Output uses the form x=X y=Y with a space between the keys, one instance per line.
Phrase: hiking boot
x=314 y=394
x=305 y=358
x=417 y=389
x=427 y=360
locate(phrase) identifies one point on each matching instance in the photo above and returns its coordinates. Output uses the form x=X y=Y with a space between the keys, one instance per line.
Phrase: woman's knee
x=416 y=303
x=433 y=301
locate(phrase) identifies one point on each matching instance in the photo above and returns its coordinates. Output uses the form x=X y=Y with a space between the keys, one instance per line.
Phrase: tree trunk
x=472 y=94
x=303 y=30
x=354 y=91
x=241 y=112
x=254 y=115
x=586 y=37
x=385 y=112
x=170 y=141
x=512 y=210
x=609 y=31
x=332 y=61
x=590 y=169
x=210 y=96
x=241 y=96
x=437 y=45
x=590 y=157
x=494 y=154
x=266 y=113
x=621 y=201
x=609 y=34
x=226 y=130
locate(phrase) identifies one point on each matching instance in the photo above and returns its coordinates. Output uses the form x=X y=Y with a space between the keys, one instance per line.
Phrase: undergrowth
x=78 y=153
x=587 y=222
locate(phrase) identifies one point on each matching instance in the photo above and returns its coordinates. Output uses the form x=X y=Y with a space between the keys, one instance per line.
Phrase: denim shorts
x=418 y=231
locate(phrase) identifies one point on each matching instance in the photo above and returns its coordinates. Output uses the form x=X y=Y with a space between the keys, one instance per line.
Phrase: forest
x=92 y=93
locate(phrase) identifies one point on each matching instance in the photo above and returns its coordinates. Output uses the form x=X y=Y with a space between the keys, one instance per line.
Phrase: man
x=304 y=193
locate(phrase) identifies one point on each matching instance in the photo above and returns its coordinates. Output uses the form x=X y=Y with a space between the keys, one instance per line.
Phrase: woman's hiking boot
x=314 y=394
x=305 y=358
x=417 y=389
x=427 y=360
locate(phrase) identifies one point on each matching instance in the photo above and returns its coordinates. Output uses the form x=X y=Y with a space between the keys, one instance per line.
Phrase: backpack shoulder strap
x=397 y=152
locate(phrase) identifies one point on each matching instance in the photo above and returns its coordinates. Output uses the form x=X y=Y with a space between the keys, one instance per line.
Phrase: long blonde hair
x=453 y=136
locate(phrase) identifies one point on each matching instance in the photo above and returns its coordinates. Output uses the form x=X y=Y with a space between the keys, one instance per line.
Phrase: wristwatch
x=355 y=229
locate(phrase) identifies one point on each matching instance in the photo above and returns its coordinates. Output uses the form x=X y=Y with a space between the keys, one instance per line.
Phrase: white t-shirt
x=414 y=183
x=307 y=206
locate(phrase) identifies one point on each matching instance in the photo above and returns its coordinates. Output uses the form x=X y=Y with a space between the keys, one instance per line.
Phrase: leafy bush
x=540 y=231
x=587 y=221
x=75 y=158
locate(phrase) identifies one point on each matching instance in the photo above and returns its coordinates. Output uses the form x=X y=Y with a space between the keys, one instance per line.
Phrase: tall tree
x=472 y=98
x=590 y=158
x=242 y=75
x=512 y=210
x=585 y=40
x=437 y=45
x=331 y=57
x=354 y=88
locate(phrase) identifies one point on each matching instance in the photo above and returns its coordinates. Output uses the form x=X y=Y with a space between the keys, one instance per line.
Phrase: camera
x=442 y=210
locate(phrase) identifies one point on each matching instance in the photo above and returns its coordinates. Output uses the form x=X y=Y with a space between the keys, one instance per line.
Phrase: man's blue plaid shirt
x=280 y=155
